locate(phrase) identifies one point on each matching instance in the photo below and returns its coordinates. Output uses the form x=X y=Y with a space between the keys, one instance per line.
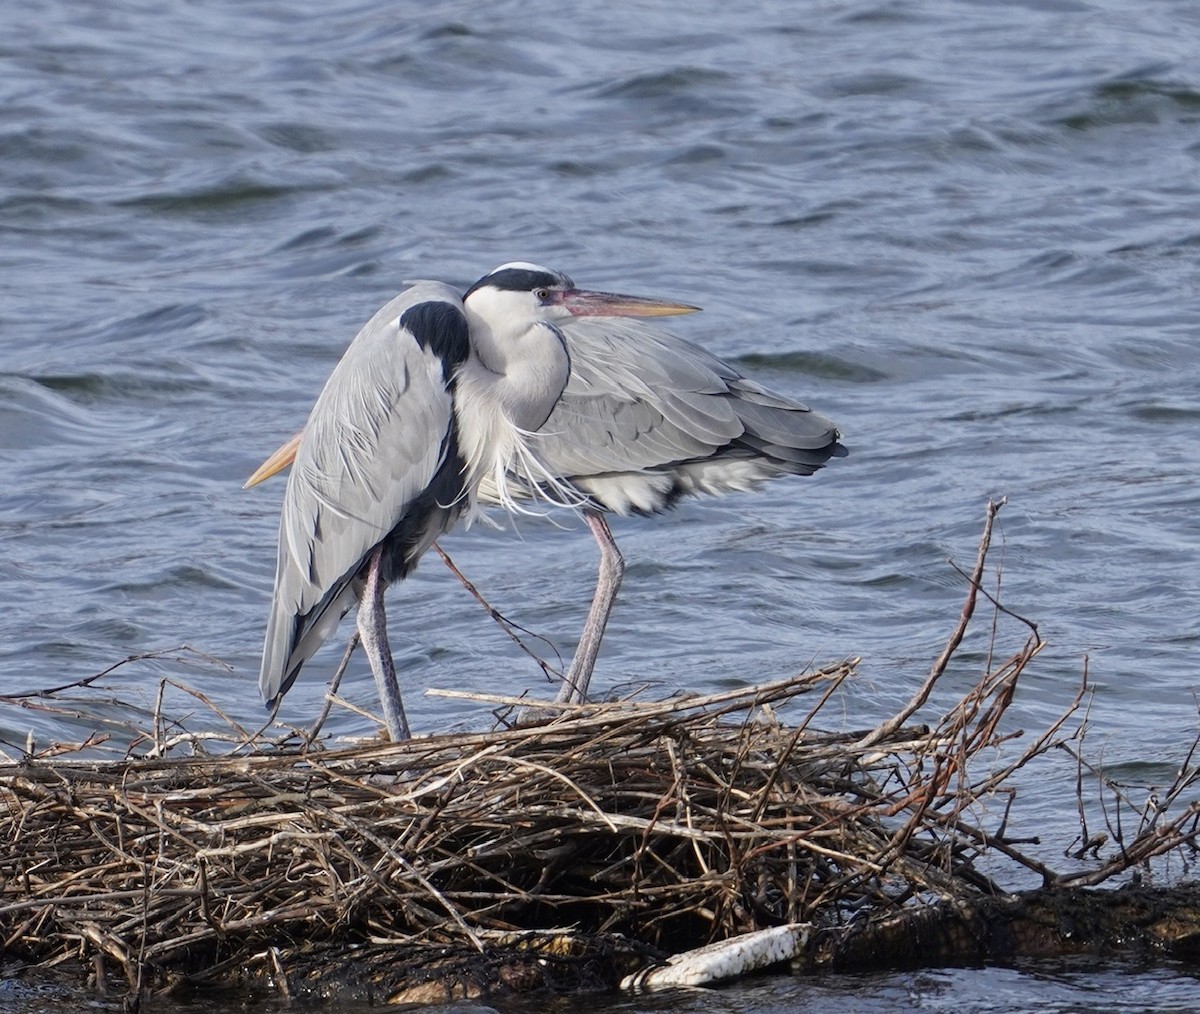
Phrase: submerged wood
x=1139 y=922
x=563 y=856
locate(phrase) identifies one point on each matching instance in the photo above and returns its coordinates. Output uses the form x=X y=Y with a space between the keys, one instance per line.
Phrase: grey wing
x=647 y=415
x=378 y=438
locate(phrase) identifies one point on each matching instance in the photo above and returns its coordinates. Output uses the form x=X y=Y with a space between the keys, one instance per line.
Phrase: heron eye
x=542 y=294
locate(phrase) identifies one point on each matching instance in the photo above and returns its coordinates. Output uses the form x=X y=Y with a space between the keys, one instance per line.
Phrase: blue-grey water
x=967 y=230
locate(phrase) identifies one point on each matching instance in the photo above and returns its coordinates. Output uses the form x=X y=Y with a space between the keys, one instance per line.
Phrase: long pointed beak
x=277 y=462
x=613 y=304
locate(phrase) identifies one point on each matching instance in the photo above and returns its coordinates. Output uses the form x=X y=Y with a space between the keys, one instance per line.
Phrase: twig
x=331 y=694
x=505 y=624
x=886 y=728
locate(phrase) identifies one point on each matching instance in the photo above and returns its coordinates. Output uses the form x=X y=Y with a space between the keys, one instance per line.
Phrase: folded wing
x=647 y=416
x=378 y=466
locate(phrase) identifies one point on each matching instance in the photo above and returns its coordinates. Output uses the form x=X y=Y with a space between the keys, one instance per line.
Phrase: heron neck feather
x=524 y=369
x=489 y=408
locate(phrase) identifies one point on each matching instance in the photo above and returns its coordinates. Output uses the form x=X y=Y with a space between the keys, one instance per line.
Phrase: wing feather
x=643 y=405
x=377 y=437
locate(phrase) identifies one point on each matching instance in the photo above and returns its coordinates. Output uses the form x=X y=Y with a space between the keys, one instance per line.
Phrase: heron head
x=523 y=293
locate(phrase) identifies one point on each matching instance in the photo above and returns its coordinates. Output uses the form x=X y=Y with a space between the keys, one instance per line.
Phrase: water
x=967 y=231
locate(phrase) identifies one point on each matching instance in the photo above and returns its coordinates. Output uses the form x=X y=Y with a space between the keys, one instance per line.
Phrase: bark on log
x=1050 y=923
x=1130 y=922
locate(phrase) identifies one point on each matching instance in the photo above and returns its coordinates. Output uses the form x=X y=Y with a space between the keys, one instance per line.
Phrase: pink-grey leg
x=612 y=568
x=372 y=630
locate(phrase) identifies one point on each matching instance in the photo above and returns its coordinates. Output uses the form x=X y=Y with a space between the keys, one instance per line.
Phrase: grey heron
x=527 y=391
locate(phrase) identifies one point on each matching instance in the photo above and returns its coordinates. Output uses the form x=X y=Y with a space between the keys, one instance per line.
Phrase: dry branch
x=454 y=864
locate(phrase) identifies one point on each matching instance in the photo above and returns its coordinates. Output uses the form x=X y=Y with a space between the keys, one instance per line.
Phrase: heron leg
x=372 y=630
x=612 y=568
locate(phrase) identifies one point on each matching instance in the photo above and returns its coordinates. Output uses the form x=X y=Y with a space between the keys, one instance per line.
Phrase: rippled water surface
x=967 y=231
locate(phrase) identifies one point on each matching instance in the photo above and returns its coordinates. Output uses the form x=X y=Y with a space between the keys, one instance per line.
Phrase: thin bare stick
x=331 y=694
x=887 y=728
x=505 y=624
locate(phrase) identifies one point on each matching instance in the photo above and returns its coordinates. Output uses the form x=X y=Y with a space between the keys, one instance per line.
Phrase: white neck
x=528 y=364
x=505 y=391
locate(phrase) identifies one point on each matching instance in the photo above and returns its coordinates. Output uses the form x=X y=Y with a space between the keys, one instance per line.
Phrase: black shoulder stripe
x=441 y=328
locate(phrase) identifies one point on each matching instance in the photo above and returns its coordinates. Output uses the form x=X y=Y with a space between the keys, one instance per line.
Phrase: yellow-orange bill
x=654 y=308
x=277 y=462
x=613 y=304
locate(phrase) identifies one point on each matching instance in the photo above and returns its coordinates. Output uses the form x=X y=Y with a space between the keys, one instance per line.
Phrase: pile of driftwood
x=566 y=855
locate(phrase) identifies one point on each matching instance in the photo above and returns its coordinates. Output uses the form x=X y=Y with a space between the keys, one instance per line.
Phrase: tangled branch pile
x=671 y=823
